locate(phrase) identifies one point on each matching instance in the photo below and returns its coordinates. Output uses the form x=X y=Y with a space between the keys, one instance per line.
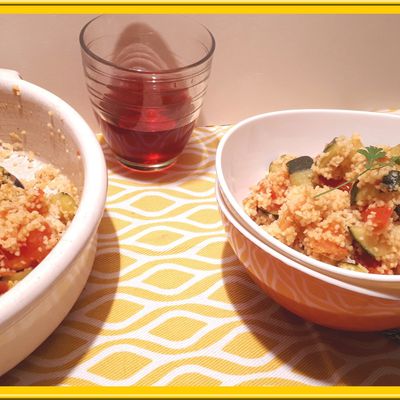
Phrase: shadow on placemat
x=70 y=343
x=313 y=355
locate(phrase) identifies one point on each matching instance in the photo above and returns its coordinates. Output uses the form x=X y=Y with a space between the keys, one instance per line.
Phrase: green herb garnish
x=373 y=155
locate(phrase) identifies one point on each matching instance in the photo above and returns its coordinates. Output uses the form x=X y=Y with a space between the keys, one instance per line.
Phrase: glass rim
x=133 y=71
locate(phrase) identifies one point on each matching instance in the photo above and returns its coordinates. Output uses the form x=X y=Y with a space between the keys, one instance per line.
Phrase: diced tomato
x=35 y=248
x=365 y=259
x=346 y=187
x=335 y=183
x=31 y=253
x=3 y=287
x=17 y=263
x=379 y=216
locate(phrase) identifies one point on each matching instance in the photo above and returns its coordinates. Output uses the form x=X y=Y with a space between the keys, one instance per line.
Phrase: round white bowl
x=246 y=150
x=57 y=134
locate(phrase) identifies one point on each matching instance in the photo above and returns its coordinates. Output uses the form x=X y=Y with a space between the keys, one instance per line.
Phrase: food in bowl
x=309 y=294
x=35 y=208
x=341 y=207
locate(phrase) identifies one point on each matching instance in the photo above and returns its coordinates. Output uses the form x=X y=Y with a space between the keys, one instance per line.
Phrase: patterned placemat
x=168 y=303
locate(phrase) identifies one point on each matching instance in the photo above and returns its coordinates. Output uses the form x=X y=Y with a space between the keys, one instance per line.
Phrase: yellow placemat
x=168 y=303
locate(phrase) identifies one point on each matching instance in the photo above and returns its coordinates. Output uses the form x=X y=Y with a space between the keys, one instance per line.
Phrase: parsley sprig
x=376 y=159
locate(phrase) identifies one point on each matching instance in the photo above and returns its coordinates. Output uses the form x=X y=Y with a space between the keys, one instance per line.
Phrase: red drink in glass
x=146 y=123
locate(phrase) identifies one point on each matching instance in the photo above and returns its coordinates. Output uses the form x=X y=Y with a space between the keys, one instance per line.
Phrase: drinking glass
x=146 y=76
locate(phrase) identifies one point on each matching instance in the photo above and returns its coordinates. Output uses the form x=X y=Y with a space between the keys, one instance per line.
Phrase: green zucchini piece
x=333 y=149
x=18 y=276
x=365 y=195
x=276 y=165
x=391 y=181
x=352 y=267
x=273 y=167
x=301 y=178
x=65 y=203
x=300 y=172
x=7 y=177
x=354 y=191
x=368 y=241
x=266 y=213
x=299 y=164
x=330 y=145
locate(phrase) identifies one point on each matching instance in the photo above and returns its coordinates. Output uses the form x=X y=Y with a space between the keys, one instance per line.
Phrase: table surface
x=168 y=303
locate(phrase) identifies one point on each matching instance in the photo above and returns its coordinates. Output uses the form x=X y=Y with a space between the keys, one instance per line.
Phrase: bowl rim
x=285 y=249
x=17 y=301
x=315 y=274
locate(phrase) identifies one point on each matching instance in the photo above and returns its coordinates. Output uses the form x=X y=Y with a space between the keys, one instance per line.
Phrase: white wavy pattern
x=168 y=303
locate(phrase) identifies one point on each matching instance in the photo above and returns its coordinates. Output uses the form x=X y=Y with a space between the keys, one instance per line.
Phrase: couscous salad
x=341 y=207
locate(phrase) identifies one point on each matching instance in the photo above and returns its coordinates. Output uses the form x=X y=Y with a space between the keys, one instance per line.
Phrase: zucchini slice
x=267 y=213
x=276 y=165
x=65 y=203
x=300 y=172
x=299 y=164
x=368 y=241
x=391 y=181
x=18 y=276
x=352 y=267
x=330 y=146
x=354 y=191
x=333 y=149
x=365 y=195
x=273 y=168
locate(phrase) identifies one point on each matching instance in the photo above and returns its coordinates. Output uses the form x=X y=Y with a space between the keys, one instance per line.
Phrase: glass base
x=146 y=167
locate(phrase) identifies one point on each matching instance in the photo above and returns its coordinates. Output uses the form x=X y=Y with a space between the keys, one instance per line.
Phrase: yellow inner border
x=298 y=392
x=199 y=7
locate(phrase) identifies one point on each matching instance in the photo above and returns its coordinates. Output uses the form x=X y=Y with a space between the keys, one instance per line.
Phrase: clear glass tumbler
x=146 y=76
